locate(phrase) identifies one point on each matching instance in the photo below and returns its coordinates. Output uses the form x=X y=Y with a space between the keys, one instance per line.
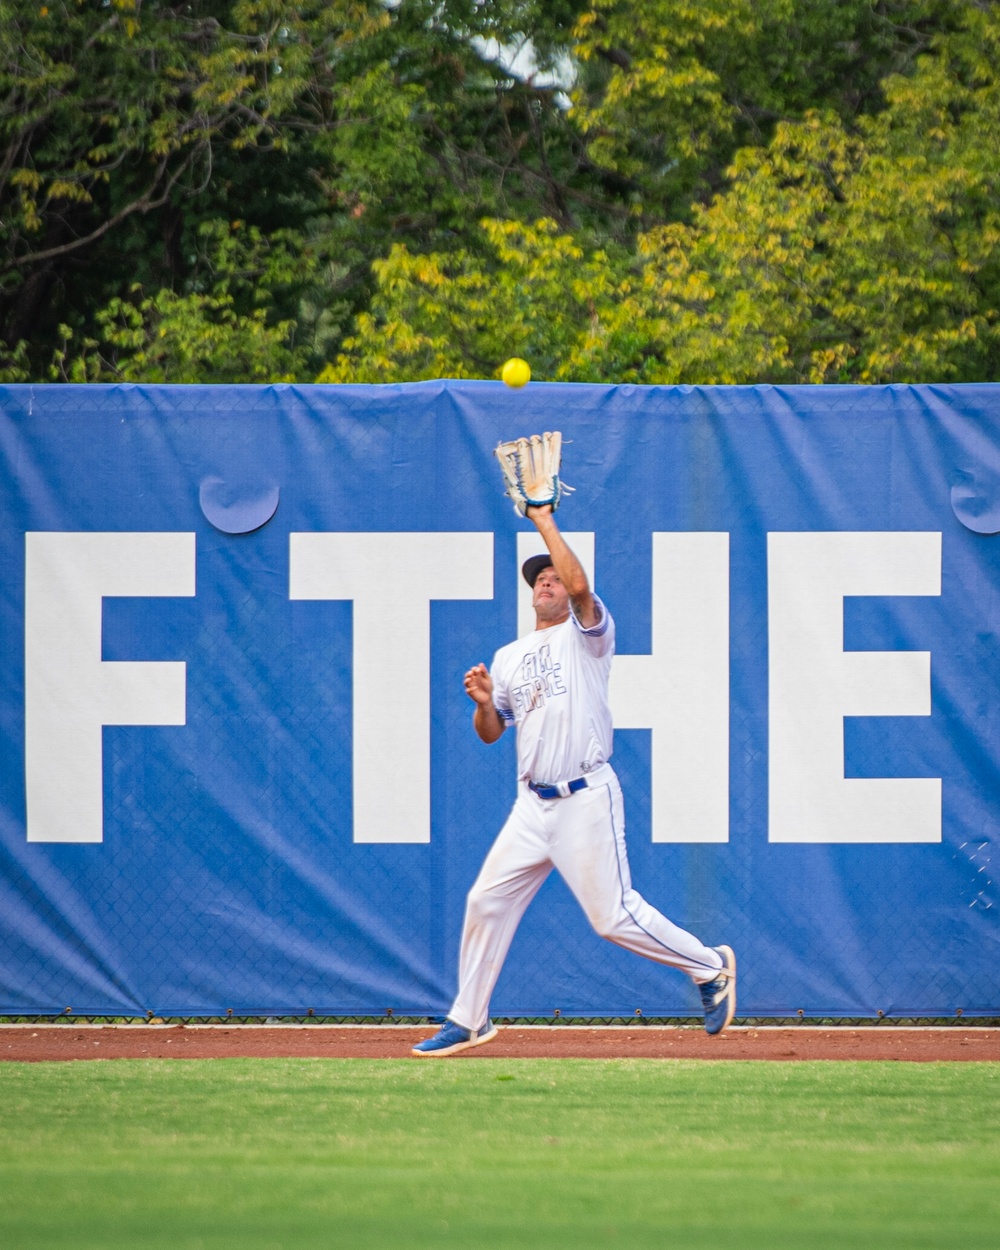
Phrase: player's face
x=550 y=598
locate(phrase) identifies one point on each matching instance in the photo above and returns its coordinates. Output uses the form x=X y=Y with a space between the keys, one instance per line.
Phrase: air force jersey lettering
x=553 y=686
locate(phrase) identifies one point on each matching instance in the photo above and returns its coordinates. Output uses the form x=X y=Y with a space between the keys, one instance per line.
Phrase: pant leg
x=509 y=879
x=589 y=852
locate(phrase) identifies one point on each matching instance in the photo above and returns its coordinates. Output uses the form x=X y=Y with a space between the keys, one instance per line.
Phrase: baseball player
x=552 y=686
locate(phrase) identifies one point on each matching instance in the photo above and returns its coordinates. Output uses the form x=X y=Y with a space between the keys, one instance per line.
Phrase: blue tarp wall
x=239 y=771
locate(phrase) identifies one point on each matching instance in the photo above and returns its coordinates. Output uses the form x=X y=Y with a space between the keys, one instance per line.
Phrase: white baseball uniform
x=553 y=686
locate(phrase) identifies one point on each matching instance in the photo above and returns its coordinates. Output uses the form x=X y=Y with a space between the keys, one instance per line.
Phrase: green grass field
x=499 y=1154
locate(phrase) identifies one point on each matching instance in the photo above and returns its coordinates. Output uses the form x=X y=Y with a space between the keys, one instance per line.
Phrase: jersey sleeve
x=501 y=695
x=599 y=639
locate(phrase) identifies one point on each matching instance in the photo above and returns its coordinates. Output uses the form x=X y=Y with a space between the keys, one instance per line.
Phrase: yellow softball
x=516 y=372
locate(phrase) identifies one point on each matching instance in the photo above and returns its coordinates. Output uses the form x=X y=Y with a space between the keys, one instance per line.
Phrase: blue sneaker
x=451 y=1038
x=719 y=996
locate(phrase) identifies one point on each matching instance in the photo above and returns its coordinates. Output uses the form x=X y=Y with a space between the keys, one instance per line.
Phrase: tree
x=535 y=293
x=129 y=130
x=866 y=257
x=837 y=253
x=669 y=91
x=300 y=188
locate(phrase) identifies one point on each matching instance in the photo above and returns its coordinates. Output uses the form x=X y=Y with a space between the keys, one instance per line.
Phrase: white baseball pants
x=583 y=836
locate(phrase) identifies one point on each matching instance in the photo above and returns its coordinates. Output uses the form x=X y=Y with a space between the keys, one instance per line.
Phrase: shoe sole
x=459 y=1046
x=729 y=962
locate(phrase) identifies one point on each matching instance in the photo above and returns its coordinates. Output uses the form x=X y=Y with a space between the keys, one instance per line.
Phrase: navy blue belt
x=562 y=791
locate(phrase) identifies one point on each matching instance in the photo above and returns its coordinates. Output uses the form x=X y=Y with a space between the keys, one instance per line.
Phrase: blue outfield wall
x=239 y=770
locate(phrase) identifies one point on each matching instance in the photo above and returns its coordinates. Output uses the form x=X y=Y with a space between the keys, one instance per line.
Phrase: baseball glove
x=530 y=468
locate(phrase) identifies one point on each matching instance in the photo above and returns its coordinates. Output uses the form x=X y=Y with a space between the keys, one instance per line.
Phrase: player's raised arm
x=566 y=565
x=485 y=719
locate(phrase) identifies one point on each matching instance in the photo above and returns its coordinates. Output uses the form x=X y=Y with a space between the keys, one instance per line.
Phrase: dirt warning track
x=33 y=1043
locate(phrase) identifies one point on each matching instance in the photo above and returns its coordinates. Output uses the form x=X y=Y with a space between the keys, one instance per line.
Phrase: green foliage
x=869 y=257
x=866 y=253
x=670 y=89
x=14 y=365
x=114 y=113
x=180 y=338
x=783 y=190
x=171 y=337
x=339 y=124
x=534 y=292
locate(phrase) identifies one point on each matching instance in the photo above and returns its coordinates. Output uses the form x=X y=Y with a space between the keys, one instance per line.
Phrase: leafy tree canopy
x=737 y=190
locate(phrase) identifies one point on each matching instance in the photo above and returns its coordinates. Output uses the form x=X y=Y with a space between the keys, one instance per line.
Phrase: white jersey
x=553 y=686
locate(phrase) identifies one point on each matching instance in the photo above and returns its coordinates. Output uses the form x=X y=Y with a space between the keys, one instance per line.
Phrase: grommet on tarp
x=958 y=1011
x=638 y=1011
x=150 y=1014
x=310 y=1012
x=388 y=1011
x=556 y=1012
x=68 y=1011
x=881 y=1015
x=229 y=1011
x=237 y=508
x=975 y=499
